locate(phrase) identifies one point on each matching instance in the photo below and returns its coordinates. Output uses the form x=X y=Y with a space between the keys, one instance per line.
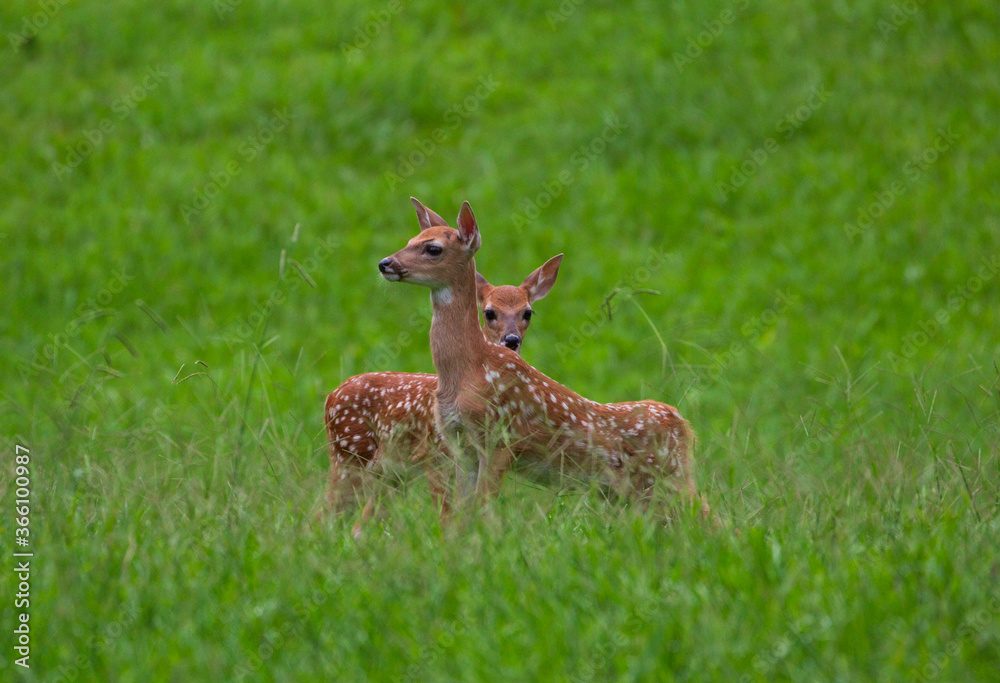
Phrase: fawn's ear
x=468 y=230
x=540 y=282
x=483 y=288
x=425 y=216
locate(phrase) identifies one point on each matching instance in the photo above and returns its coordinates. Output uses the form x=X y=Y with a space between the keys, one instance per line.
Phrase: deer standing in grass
x=481 y=387
x=376 y=414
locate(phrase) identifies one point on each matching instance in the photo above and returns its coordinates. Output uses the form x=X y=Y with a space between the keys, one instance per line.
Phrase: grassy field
x=194 y=199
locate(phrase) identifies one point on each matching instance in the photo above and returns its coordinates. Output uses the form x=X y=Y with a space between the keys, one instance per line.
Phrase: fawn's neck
x=457 y=342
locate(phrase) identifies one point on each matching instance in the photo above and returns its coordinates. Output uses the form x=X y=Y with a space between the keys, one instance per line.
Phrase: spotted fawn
x=376 y=414
x=482 y=386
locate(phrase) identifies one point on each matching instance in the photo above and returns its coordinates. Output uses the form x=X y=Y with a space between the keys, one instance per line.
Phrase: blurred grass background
x=811 y=188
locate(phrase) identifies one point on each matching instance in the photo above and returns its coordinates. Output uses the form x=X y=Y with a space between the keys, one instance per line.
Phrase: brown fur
x=480 y=386
x=375 y=415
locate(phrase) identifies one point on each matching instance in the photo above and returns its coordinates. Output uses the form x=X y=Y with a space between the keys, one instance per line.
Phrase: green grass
x=168 y=377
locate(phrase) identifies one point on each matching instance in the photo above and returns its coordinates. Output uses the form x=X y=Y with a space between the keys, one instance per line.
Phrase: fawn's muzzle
x=389 y=269
x=512 y=342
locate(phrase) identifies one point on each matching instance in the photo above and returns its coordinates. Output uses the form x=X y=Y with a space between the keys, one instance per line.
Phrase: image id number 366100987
x=22 y=554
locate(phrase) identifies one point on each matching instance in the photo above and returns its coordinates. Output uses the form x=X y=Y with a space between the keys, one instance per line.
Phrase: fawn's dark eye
x=527 y=316
x=433 y=249
x=490 y=314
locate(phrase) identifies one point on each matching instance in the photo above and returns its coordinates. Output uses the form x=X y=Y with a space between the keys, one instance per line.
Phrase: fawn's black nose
x=512 y=342
x=384 y=264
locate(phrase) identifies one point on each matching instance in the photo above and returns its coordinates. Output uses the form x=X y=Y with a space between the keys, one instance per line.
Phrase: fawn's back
x=629 y=445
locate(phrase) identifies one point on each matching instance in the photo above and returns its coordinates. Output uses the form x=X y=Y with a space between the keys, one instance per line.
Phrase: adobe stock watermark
x=600 y=316
x=803 y=632
x=596 y=665
x=423 y=149
x=579 y=161
x=101 y=640
x=924 y=332
x=274 y=638
x=224 y=7
x=561 y=14
x=247 y=150
x=242 y=330
x=33 y=23
x=441 y=640
x=384 y=353
x=701 y=41
x=902 y=13
x=972 y=626
x=784 y=129
x=46 y=356
x=364 y=35
x=122 y=106
x=914 y=169
x=752 y=328
x=23 y=552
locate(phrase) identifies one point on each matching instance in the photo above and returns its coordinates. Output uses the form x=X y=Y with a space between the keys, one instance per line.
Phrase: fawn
x=482 y=386
x=372 y=415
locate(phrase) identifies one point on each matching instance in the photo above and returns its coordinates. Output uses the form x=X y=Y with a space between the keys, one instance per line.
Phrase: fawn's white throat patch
x=442 y=296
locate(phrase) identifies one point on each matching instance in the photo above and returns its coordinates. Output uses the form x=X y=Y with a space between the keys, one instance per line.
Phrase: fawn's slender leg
x=366 y=514
x=499 y=462
x=345 y=487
